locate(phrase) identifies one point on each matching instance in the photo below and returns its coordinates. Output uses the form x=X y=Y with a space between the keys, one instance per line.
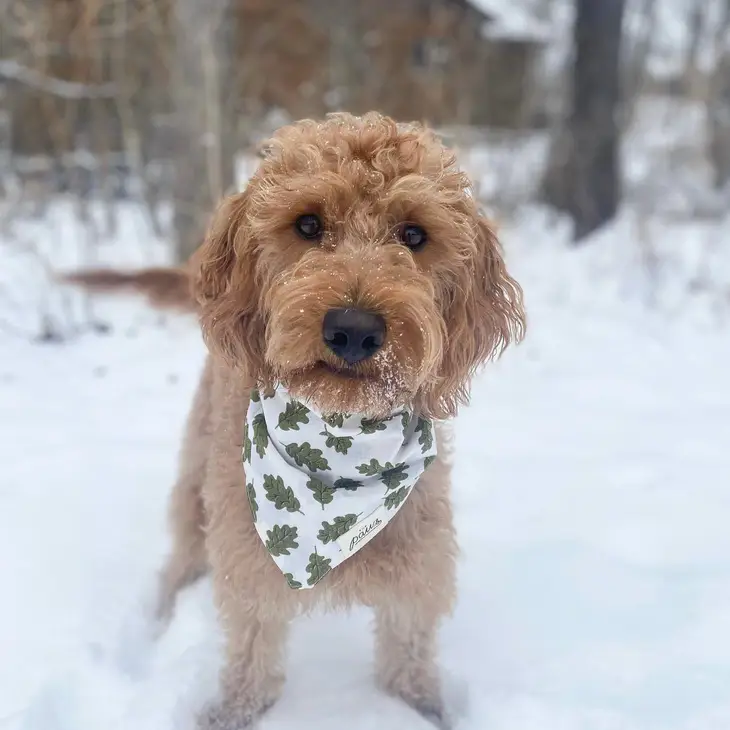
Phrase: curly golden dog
x=373 y=224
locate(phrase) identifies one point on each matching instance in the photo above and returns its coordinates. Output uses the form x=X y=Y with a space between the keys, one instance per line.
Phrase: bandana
x=321 y=487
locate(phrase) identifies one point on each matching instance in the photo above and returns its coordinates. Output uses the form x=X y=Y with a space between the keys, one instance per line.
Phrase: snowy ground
x=592 y=501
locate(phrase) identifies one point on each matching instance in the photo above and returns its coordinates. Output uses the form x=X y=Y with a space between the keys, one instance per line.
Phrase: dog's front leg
x=252 y=677
x=419 y=555
x=255 y=607
x=254 y=603
x=419 y=552
x=405 y=653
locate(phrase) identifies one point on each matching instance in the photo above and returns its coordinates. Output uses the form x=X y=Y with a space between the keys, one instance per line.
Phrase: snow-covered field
x=592 y=495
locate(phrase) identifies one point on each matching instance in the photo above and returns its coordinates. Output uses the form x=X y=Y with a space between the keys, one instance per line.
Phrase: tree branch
x=14 y=71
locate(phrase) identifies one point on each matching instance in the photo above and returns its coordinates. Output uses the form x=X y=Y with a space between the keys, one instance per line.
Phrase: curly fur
x=262 y=292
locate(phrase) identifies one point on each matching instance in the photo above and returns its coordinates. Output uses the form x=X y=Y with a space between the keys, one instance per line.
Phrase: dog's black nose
x=353 y=334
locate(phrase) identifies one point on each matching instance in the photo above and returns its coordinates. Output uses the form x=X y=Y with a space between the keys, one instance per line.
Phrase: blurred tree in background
x=583 y=178
x=204 y=131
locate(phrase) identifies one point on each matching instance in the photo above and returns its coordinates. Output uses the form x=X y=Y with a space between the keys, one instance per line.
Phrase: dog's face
x=356 y=270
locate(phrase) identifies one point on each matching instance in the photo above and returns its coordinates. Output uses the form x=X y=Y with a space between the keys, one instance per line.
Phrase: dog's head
x=357 y=270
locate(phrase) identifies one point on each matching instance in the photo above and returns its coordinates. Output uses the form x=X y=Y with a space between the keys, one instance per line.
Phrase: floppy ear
x=484 y=315
x=498 y=300
x=225 y=285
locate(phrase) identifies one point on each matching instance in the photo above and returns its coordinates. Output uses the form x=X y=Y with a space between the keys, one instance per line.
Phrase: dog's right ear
x=225 y=286
x=212 y=263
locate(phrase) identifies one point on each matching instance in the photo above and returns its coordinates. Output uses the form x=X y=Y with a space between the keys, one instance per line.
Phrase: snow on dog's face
x=356 y=270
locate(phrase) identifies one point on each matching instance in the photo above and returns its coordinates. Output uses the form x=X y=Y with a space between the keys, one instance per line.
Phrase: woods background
x=587 y=107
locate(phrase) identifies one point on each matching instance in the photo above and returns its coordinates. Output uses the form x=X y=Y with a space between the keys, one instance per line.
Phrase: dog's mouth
x=349 y=372
x=368 y=387
x=330 y=377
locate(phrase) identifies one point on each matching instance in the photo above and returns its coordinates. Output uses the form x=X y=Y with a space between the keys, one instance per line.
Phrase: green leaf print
x=426 y=438
x=341 y=444
x=317 y=568
x=322 y=493
x=335 y=419
x=251 y=494
x=282 y=539
x=281 y=495
x=260 y=434
x=337 y=528
x=405 y=420
x=428 y=461
x=394 y=499
x=370 y=469
x=246 y=445
x=294 y=414
x=255 y=396
x=392 y=476
x=371 y=425
x=305 y=455
x=290 y=580
x=349 y=485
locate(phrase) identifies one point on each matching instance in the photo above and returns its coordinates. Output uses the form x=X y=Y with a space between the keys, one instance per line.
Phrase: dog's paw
x=222 y=717
x=231 y=716
x=435 y=715
x=431 y=710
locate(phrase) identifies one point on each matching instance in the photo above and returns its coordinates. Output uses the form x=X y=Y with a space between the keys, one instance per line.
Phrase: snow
x=670 y=27
x=591 y=498
x=512 y=22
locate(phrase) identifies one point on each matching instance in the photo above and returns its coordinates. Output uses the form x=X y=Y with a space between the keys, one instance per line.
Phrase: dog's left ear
x=484 y=316
x=497 y=297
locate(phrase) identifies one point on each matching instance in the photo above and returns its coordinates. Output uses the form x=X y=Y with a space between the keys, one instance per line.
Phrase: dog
x=355 y=271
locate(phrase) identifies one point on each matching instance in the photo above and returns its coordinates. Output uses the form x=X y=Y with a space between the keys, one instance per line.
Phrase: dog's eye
x=308 y=226
x=413 y=236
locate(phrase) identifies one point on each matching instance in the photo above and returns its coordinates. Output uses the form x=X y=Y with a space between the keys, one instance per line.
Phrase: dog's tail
x=164 y=288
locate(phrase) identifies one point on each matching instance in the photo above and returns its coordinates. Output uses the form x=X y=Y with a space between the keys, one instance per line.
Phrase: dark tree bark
x=204 y=129
x=583 y=177
x=718 y=106
x=719 y=123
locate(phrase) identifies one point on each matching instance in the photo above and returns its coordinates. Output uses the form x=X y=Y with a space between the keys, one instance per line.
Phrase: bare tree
x=346 y=53
x=205 y=136
x=718 y=106
x=583 y=177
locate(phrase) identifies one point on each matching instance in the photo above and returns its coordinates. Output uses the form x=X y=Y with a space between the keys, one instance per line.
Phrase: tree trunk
x=204 y=131
x=583 y=176
x=718 y=106
x=719 y=124
x=346 y=54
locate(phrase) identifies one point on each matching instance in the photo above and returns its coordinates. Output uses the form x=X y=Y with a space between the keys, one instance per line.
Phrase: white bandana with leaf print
x=322 y=486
